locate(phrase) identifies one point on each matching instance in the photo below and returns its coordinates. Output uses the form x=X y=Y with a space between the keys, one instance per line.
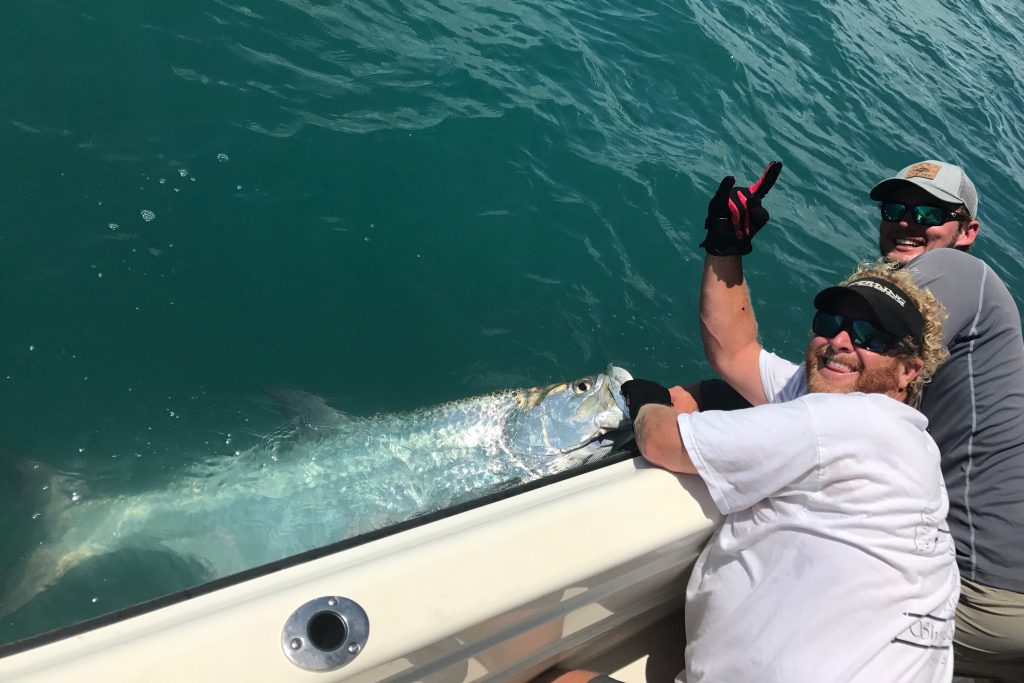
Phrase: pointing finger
x=767 y=179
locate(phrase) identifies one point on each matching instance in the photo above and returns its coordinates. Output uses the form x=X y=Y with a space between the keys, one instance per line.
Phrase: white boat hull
x=564 y=573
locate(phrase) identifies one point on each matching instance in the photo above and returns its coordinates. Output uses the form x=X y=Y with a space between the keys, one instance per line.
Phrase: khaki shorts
x=989 y=637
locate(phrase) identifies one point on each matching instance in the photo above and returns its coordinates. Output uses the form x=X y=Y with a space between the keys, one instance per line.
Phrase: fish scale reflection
x=337 y=477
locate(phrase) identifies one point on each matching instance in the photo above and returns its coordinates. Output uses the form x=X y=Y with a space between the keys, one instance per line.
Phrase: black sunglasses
x=862 y=333
x=923 y=214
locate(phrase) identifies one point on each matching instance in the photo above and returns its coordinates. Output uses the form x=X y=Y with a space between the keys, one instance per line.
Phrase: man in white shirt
x=974 y=405
x=834 y=562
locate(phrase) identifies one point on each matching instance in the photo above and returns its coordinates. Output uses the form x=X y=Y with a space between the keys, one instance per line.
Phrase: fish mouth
x=617 y=377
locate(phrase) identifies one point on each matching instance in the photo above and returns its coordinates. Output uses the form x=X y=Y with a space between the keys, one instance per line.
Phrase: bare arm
x=728 y=327
x=657 y=437
x=727 y=322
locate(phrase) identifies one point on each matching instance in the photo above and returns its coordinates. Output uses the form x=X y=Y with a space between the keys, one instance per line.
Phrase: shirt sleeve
x=744 y=456
x=782 y=380
x=957 y=280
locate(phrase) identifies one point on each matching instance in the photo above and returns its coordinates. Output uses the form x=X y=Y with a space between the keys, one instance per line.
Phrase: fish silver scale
x=353 y=475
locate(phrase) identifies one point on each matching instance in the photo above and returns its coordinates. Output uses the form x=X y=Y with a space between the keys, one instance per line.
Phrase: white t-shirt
x=834 y=562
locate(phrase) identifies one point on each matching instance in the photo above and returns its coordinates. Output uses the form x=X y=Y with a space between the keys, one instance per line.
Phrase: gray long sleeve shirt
x=975 y=410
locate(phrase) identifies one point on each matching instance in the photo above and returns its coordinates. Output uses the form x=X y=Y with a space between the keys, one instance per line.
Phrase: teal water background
x=397 y=203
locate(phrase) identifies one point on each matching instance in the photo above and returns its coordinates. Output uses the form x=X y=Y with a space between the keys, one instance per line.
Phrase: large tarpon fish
x=337 y=476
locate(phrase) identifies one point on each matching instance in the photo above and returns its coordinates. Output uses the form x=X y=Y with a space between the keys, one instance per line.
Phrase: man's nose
x=906 y=221
x=841 y=342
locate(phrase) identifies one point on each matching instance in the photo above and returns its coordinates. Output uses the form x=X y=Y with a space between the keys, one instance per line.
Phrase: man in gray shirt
x=974 y=405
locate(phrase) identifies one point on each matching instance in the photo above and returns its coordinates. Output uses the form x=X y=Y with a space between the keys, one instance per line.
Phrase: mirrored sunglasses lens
x=893 y=211
x=929 y=215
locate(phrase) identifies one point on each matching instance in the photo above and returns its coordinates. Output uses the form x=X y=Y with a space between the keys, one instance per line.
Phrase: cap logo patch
x=924 y=170
x=881 y=288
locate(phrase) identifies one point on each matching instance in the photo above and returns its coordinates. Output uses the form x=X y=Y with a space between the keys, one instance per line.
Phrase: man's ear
x=909 y=370
x=967 y=234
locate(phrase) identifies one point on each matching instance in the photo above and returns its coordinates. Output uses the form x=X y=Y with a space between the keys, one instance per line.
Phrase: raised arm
x=728 y=327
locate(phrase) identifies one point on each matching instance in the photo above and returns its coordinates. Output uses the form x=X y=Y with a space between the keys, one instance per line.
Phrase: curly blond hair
x=932 y=352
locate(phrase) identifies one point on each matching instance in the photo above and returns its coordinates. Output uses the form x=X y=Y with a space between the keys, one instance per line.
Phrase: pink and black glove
x=735 y=216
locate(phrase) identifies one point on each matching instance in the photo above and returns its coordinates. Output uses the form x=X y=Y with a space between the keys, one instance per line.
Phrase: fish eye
x=582 y=386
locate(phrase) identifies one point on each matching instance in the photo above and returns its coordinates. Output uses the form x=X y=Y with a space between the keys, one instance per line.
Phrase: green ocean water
x=396 y=203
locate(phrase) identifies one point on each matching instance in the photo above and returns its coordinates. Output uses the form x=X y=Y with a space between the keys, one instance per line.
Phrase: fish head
x=563 y=425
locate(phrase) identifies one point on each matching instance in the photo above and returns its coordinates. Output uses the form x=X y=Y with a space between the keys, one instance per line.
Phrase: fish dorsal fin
x=310 y=410
x=47 y=488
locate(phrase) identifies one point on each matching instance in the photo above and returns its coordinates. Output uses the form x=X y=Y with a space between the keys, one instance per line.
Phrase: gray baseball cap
x=946 y=182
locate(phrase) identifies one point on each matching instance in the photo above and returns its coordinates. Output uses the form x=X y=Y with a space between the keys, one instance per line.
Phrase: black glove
x=735 y=216
x=640 y=392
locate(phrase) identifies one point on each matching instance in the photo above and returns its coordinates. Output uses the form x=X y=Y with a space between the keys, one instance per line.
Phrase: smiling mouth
x=909 y=243
x=836 y=367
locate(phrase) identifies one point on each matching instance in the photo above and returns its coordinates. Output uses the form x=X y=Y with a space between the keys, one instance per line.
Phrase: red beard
x=881 y=379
